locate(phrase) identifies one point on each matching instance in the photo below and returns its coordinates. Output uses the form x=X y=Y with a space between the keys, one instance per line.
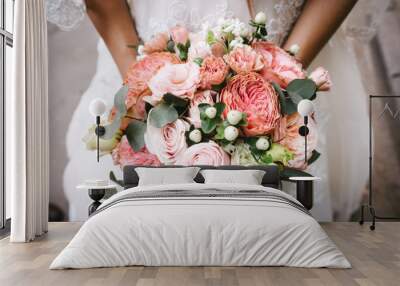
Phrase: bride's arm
x=115 y=25
x=316 y=24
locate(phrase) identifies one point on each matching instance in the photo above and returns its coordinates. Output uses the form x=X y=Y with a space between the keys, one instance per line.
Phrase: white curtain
x=27 y=124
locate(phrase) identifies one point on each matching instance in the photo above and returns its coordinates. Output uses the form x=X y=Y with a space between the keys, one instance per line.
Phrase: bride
x=341 y=113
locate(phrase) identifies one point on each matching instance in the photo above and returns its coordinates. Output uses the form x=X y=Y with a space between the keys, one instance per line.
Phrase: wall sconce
x=305 y=108
x=97 y=107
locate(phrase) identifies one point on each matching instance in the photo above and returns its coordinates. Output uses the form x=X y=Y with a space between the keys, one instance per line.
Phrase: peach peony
x=279 y=66
x=213 y=71
x=180 y=80
x=168 y=142
x=157 y=43
x=141 y=72
x=194 y=112
x=251 y=94
x=124 y=155
x=179 y=34
x=244 y=59
x=292 y=140
x=207 y=153
x=321 y=78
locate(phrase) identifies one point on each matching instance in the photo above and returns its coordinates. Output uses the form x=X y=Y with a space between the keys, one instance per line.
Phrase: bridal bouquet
x=221 y=96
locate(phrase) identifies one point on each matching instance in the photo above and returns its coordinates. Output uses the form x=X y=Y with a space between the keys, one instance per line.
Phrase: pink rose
x=123 y=155
x=180 y=80
x=251 y=94
x=179 y=34
x=321 y=78
x=141 y=72
x=213 y=71
x=218 y=49
x=157 y=43
x=206 y=153
x=279 y=66
x=244 y=59
x=292 y=140
x=194 y=112
x=168 y=142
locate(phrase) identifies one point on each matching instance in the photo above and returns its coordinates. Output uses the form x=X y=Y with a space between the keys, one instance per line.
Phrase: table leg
x=304 y=193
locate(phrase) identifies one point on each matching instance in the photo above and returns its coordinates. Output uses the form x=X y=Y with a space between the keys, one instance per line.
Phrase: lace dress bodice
x=158 y=15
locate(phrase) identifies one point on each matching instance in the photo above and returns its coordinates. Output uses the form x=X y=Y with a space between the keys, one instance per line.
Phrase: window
x=6 y=44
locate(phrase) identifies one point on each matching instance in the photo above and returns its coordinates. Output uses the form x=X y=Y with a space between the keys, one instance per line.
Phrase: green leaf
x=287 y=105
x=208 y=125
x=198 y=61
x=135 y=134
x=314 y=157
x=220 y=132
x=299 y=89
x=210 y=38
x=287 y=172
x=243 y=121
x=183 y=50
x=176 y=101
x=220 y=106
x=162 y=114
x=115 y=180
x=171 y=46
x=119 y=103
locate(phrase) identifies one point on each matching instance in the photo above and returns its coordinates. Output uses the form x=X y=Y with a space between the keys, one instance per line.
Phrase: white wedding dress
x=341 y=113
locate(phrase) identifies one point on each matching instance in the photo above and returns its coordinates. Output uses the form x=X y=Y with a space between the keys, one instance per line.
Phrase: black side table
x=96 y=193
x=305 y=190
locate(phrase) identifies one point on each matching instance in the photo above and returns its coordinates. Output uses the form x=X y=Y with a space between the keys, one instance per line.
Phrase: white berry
x=211 y=112
x=260 y=18
x=234 y=117
x=195 y=136
x=262 y=144
x=231 y=133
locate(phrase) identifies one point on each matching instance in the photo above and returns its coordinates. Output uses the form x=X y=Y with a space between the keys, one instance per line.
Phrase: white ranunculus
x=236 y=43
x=231 y=133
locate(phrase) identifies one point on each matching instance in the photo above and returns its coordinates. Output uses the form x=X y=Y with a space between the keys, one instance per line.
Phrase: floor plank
x=375 y=257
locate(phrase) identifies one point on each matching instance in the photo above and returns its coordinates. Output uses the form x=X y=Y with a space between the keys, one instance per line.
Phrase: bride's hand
x=317 y=23
x=114 y=23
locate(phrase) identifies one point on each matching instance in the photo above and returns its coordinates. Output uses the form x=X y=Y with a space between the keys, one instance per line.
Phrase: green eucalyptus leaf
x=220 y=132
x=162 y=114
x=135 y=134
x=301 y=89
x=171 y=99
x=198 y=61
x=112 y=128
x=119 y=99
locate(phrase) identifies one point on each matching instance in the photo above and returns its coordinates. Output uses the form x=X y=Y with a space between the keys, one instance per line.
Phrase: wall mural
x=215 y=97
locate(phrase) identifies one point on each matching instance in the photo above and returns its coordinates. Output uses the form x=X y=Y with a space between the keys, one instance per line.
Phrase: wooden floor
x=375 y=257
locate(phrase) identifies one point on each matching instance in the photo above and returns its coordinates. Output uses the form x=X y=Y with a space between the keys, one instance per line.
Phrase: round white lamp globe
x=234 y=117
x=262 y=144
x=97 y=107
x=231 y=133
x=195 y=136
x=211 y=112
x=260 y=18
x=305 y=107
